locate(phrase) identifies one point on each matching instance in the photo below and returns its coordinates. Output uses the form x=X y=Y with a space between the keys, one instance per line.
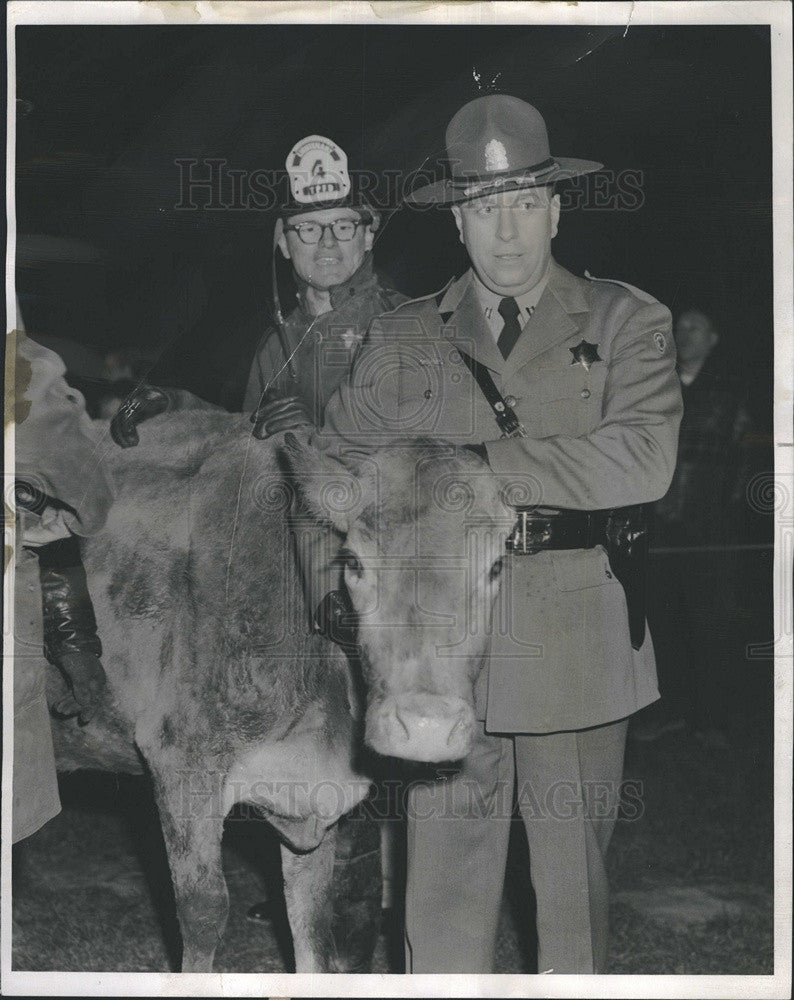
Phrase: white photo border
x=775 y=13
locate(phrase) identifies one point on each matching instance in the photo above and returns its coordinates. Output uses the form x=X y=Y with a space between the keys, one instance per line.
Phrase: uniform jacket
x=598 y=435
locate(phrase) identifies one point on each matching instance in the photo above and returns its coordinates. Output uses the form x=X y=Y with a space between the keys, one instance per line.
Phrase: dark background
x=105 y=261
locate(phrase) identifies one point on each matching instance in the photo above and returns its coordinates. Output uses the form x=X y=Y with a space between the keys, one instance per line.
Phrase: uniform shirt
x=324 y=345
x=490 y=303
x=600 y=433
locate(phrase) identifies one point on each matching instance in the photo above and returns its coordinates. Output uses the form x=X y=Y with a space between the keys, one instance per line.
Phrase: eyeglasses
x=343 y=229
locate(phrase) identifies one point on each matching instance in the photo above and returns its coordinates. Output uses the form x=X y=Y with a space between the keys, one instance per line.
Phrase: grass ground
x=691 y=876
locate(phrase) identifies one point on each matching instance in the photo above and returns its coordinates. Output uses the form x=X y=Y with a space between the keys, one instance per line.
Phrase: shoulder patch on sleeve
x=661 y=342
x=636 y=292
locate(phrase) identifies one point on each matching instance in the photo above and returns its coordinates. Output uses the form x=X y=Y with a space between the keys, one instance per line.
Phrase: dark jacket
x=324 y=348
x=323 y=356
x=706 y=494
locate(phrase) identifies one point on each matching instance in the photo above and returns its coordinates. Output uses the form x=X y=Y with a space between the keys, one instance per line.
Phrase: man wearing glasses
x=326 y=230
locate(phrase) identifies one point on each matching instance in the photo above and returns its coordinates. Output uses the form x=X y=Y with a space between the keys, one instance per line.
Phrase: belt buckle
x=518 y=537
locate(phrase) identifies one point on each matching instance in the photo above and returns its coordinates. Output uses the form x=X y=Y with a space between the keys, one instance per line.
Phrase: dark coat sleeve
x=69 y=620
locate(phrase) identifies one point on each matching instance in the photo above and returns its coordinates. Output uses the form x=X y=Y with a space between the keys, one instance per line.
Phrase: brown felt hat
x=494 y=143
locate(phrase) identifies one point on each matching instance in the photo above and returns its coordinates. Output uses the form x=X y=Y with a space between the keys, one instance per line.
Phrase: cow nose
x=420 y=726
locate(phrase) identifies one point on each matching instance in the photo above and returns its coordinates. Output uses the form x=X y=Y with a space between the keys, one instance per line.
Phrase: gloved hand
x=279 y=413
x=144 y=402
x=336 y=618
x=86 y=677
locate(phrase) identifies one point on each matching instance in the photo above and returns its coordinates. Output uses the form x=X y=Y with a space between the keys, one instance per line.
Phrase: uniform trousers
x=568 y=790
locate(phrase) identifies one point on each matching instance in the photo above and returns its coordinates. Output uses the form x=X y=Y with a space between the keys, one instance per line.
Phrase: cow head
x=424 y=527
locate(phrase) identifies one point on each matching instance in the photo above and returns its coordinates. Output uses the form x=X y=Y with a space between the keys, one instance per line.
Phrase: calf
x=216 y=685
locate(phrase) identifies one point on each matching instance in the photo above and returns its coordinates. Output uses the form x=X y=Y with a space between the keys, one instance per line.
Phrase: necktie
x=508 y=310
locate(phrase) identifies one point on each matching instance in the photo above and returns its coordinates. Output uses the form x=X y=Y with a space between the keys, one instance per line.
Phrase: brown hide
x=206 y=640
x=215 y=679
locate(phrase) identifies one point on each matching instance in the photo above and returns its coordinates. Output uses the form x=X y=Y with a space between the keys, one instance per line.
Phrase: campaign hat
x=494 y=143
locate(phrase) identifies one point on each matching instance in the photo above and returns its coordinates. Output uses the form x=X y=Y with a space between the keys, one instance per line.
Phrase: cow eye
x=496 y=570
x=352 y=564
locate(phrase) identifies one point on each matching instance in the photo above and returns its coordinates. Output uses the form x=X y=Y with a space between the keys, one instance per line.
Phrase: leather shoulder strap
x=505 y=415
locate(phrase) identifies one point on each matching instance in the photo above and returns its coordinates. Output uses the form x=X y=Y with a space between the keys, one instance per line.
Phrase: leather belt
x=555 y=528
x=623 y=531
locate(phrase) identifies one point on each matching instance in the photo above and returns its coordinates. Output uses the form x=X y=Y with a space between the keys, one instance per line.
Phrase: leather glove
x=144 y=402
x=69 y=620
x=86 y=678
x=479 y=450
x=279 y=413
x=335 y=618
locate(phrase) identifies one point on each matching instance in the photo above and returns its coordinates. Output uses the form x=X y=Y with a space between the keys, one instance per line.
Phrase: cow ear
x=331 y=491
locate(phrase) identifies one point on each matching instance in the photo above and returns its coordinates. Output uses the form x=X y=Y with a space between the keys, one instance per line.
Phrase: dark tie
x=508 y=310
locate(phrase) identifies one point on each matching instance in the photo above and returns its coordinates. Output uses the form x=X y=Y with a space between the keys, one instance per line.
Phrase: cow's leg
x=307 y=890
x=192 y=823
x=356 y=891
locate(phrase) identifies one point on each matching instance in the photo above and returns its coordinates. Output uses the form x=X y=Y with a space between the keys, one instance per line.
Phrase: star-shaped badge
x=350 y=338
x=585 y=354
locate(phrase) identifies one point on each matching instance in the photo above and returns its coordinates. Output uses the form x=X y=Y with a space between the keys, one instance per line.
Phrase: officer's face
x=508 y=236
x=694 y=336
x=329 y=262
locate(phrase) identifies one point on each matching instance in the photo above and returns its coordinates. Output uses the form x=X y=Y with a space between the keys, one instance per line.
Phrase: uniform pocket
x=581 y=569
x=568 y=661
x=570 y=400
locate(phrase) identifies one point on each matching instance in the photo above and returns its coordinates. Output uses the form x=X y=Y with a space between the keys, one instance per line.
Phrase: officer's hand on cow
x=86 y=678
x=279 y=413
x=144 y=402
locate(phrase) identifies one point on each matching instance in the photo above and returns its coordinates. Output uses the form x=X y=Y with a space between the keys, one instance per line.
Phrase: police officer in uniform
x=568 y=386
